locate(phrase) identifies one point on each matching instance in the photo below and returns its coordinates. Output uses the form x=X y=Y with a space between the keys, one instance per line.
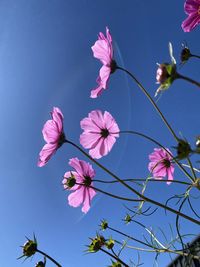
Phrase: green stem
x=49 y=257
x=132 y=189
x=113 y=256
x=140 y=180
x=179 y=76
x=194 y=56
x=151 y=100
x=191 y=167
x=111 y=195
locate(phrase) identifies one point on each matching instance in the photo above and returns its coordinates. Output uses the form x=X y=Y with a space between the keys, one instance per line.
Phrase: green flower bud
x=127 y=219
x=183 y=149
x=104 y=225
x=40 y=264
x=110 y=243
x=71 y=181
x=116 y=264
x=185 y=54
x=166 y=74
x=97 y=243
x=29 y=248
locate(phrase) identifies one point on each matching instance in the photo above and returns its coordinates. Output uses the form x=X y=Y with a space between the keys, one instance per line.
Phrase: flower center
x=113 y=66
x=61 y=140
x=87 y=181
x=167 y=163
x=104 y=133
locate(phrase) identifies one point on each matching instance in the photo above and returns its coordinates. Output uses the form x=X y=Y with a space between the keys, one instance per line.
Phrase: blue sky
x=46 y=61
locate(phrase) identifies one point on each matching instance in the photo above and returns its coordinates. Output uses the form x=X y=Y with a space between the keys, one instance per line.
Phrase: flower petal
x=46 y=153
x=76 y=198
x=89 y=194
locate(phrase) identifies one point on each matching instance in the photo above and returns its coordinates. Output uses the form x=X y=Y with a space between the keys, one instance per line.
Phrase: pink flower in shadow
x=192 y=8
x=103 y=50
x=100 y=132
x=161 y=165
x=80 y=181
x=53 y=135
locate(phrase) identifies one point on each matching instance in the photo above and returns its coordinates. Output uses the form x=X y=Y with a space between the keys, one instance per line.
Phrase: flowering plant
x=101 y=133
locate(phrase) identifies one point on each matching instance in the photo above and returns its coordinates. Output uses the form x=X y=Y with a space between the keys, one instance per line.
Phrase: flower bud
x=165 y=75
x=127 y=219
x=96 y=244
x=40 y=264
x=197 y=183
x=29 y=248
x=110 y=243
x=183 y=149
x=185 y=54
x=198 y=141
x=116 y=264
x=104 y=225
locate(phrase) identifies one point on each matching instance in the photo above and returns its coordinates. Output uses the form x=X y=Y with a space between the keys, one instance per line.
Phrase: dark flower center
x=167 y=163
x=71 y=181
x=113 y=66
x=61 y=140
x=104 y=133
x=87 y=181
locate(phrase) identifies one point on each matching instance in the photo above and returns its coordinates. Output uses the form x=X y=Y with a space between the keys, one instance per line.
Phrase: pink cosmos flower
x=100 y=132
x=80 y=181
x=192 y=8
x=161 y=165
x=53 y=135
x=103 y=50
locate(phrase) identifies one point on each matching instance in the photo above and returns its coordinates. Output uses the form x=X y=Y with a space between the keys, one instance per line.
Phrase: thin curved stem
x=140 y=180
x=113 y=256
x=112 y=195
x=151 y=100
x=191 y=167
x=164 y=251
x=179 y=76
x=132 y=189
x=49 y=257
x=196 y=56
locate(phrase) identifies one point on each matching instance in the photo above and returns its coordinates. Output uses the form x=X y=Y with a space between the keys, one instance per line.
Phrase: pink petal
x=96 y=152
x=50 y=132
x=90 y=193
x=76 y=198
x=111 y=124
x=45 y=154
x=89 y=140
x=97 y=91
x=108 y=144
x=101 y=50
x=88 y=125
x=104 y=75
x=191 y=6
x=58 y=118
x=97 y=118
x=170 y=174
x=191 y=22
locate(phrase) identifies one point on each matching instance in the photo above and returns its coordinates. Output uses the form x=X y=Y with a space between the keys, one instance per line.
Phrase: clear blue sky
x=46 y=61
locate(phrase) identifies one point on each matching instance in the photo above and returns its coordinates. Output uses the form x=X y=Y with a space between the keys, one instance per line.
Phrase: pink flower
x=160 y=164
x=100 y=132
x=103 y=50
x=192 y=8
x=53 y=135
x=80 y=181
